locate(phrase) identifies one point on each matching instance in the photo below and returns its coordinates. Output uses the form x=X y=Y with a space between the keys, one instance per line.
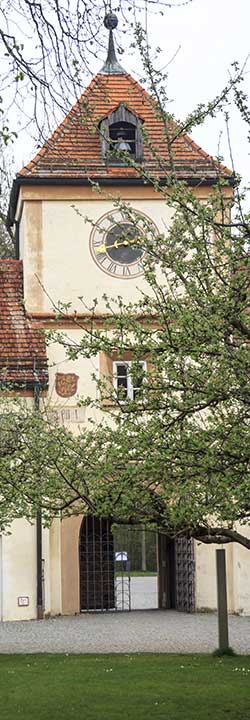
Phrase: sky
x=199 y=42
x=208 y=36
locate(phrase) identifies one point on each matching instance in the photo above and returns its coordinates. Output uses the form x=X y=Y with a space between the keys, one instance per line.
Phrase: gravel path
x=138 y=631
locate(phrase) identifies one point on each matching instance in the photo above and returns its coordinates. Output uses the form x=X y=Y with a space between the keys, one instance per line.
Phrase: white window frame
x=130 y=386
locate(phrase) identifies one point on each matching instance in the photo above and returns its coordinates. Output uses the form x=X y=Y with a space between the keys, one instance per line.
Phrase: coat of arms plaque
x=66 y=384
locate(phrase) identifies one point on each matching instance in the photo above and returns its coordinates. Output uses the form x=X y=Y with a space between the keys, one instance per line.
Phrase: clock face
x=116 y=245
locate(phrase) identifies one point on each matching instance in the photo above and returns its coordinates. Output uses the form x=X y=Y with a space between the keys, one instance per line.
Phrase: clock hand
x=116 y=244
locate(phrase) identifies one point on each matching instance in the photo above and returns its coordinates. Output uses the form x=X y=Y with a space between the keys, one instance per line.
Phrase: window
x=122 y=138
x=121 y=133
x=128 y=380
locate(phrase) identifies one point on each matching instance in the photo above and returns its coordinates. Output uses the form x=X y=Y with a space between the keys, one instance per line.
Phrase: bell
x=122 y=145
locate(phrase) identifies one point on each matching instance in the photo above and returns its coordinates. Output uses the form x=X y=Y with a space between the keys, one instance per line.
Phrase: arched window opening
x=121 y=137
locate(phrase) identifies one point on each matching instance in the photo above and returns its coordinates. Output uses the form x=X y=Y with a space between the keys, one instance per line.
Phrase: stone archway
x=97 y=572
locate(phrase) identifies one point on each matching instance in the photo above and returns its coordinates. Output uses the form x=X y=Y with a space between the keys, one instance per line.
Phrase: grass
x=119 y=687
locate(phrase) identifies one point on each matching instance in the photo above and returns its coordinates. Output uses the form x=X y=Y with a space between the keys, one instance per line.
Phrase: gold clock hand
x=116 y=244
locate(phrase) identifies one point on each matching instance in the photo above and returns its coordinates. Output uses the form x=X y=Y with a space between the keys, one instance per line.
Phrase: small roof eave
x=84 y=181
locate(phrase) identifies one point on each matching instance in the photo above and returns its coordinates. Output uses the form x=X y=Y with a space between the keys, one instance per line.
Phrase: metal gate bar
x=185 y=574
x=96 y=558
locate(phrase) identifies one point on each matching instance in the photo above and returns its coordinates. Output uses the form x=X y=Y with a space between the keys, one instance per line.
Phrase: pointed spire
x=111 y=66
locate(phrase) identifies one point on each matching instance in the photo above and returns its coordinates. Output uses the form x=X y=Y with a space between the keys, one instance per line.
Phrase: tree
x=6 y=242
x=6 y=236
x=179 y=451
x=176 y=455
x=48 y=49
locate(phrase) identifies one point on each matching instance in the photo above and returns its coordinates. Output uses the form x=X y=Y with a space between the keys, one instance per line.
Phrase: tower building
x=111 y=138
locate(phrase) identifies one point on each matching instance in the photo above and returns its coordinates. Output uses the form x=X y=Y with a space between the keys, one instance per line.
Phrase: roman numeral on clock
x=102 y=257
x=116 y=246
x=126 y=271
x=112 y=268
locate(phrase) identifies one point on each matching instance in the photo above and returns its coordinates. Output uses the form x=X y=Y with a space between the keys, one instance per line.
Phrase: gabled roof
x=128 y=108
x=22 y=347
x=74 y=150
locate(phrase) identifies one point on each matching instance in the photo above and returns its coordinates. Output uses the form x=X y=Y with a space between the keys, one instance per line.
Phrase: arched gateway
x=98 y=546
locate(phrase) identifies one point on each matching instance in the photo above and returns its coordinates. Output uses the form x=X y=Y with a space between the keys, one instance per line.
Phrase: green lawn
x=114 y=687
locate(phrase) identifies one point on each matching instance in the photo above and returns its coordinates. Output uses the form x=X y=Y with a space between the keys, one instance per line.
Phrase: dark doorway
x=166 y=573
x=96 y=555
x=176 y=574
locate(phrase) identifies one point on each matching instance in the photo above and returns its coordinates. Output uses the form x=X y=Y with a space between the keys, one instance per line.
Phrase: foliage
x=179 y=452
x=175 y=458
x=6 y=236
x=140 y=546
x=6 y=241
x=44 y=465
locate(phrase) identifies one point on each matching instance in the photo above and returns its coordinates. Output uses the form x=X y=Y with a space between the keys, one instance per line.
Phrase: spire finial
x=111 y=66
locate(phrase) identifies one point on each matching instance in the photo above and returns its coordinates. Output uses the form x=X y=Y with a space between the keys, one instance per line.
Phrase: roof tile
x=74 y=149
x=22 y=345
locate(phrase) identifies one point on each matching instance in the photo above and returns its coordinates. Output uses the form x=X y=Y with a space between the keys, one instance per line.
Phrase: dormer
x=121 y=135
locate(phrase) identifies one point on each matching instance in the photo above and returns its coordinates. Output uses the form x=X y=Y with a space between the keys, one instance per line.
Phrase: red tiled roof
x=22 y=345
x=74 y=150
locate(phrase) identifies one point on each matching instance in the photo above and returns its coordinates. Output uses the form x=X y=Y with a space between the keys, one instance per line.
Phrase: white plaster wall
x=83 y=367
x=238 y=576
x=69 y=411
x=19 y=571
x=242 y=575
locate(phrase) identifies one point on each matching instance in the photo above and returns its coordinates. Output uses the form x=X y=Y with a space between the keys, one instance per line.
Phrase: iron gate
x=176 y=573
x=185 y=575
x=96 y=550
x=106 y=561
